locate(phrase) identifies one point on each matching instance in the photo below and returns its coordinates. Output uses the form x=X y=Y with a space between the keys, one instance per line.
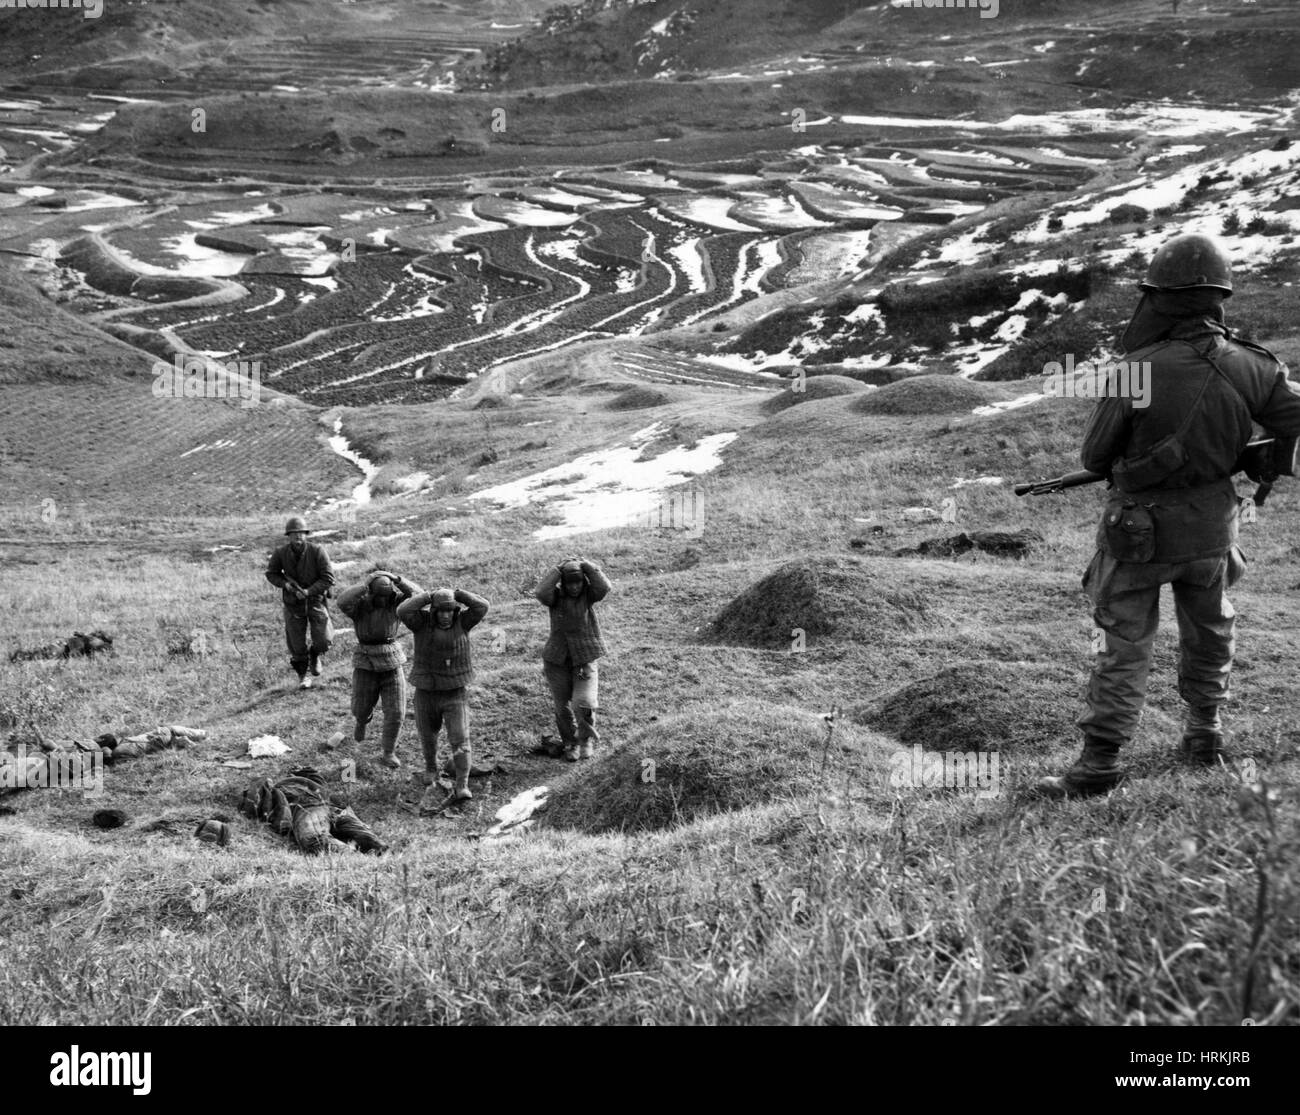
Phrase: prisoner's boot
x=359 y=732
x=314 y=665
x=1202 y=742
x=390 y=760
x=460 y=789
x=304 y=681
x=1096 y=771
x=587 y=734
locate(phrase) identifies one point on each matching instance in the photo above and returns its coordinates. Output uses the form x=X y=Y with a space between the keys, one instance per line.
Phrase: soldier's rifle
x=1262 y=461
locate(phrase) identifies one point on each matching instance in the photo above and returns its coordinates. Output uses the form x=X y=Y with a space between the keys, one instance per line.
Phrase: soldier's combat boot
x=359 y=732
x=1202 y=742
x=390 y=760
x=1096 y=771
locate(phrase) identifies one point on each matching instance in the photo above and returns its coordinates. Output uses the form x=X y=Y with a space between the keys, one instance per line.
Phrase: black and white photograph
x=651 y=513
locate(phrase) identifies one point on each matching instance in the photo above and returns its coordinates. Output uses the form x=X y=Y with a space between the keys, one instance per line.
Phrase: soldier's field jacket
x=441 y=659
x=1194 y=508
x=575 y=631
x=377 y=626
x=311 y=570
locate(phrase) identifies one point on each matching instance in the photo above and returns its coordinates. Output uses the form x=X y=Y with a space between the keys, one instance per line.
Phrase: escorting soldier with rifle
x=442 y=621
x=1172 y=516
x=570 y=591
x=301 y=571
x=378 y=659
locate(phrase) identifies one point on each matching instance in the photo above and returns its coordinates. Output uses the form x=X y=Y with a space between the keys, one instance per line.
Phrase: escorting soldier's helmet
x=443 y=598
x=381 y=586
x=296 y=523
x=1187 y=262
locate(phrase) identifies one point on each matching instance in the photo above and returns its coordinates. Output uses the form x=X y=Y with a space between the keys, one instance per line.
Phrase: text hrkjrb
x=102 y=1070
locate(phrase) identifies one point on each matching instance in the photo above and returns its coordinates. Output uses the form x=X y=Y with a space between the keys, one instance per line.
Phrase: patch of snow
x=1009 y=404
x=609 y=487
x=412 y=483
x=339 y=443
x=267 y=747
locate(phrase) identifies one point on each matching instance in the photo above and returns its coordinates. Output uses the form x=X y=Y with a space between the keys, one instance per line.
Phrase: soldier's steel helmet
x=443 y=598
x=1187 y=262
x=296 y=523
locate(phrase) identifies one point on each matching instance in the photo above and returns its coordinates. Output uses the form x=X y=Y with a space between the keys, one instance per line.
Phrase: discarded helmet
x=213 y=832
x=442 y=598
x=296 y=523
x=1187 y=262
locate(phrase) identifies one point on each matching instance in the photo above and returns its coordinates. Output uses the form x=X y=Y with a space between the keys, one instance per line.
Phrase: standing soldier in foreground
x=378 y=659
x=301 y=571
x=570 y=591
x=1172 y=516
x=442 y=620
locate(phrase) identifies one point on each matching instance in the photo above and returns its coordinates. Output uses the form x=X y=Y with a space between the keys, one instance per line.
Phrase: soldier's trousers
x=1126 y=603
x=574 y=689
x=297 y=623
x=433 y=708
x=369 y=687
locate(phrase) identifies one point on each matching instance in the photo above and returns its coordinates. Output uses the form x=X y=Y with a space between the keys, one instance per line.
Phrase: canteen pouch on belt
x=1128 y=532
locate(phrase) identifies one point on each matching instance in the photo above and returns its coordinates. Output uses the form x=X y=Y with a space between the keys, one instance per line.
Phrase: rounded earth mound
x=712 y=757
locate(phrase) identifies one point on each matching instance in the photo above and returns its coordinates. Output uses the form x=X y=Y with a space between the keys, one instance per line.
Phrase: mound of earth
x=814 y=387
x=835 y=599
x=711 y=757
x=640 y=398
x=1023 y=708
x=925 y=395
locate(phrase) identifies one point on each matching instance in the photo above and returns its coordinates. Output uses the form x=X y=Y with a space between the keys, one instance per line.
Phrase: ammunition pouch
x=1128 y=531
x=1163 y=459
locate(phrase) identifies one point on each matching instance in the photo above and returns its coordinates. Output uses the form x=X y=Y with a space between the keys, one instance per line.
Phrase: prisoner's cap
x=381 y=586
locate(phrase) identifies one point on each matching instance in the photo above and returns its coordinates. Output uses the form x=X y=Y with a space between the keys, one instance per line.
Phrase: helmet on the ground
x=381 y=586
x=442 y=598
x=1189 y=262
x=296 y=523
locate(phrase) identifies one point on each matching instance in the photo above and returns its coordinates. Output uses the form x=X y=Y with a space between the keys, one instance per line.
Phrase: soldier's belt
x=1168 y=497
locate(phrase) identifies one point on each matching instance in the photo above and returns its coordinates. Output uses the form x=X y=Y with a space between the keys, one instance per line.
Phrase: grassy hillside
x=756 y=840
x=768 y=873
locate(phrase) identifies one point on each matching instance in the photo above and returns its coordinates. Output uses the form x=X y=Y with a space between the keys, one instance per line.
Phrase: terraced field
x=405 y=291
